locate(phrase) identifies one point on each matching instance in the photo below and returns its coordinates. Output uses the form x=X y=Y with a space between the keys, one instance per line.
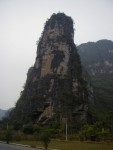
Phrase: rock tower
x=55 y=86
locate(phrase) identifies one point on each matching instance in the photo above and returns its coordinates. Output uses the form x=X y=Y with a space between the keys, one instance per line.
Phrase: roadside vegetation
x=98 y=135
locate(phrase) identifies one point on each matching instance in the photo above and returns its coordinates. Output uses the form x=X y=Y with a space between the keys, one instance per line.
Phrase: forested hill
x=97 y=59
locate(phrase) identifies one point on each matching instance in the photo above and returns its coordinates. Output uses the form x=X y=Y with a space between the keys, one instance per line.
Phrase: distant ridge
x=2 y=113
x=97 y=59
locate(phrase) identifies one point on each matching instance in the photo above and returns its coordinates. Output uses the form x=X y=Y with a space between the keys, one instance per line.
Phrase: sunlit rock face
x=55 y=85
x=53 y=49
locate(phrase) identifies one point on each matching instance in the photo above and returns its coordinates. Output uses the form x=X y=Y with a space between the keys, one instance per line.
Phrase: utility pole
x=66 y=129
x=7 y=126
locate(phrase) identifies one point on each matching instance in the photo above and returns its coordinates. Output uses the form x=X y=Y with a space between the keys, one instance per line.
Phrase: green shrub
x=8 y=136
x=2 y=135
x=91 y=132
x=103 y=134
x=28 y=129
x=18 y=136
x=46 y=137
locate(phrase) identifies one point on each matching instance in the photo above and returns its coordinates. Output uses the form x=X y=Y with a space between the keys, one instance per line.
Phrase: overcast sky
x=21 y=24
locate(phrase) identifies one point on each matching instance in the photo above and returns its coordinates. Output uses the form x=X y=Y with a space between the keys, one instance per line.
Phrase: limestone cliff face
x=53 y=49
x=54 y=85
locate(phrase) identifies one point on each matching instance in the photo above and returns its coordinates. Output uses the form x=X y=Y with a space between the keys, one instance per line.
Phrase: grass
x=72 y=145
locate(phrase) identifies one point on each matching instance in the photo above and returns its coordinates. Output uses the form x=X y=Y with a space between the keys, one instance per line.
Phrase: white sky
x=21 y=24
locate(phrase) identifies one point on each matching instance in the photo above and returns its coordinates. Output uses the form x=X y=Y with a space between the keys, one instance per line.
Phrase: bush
x=18 y=136
x=103 y=133
x=46 y=137
x=28 y=129
x=2 y=135
x=93 y=132
x=8 y=136
x=90 y=132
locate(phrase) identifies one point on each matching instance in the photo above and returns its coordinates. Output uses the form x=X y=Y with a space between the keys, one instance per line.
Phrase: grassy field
x=63 y=145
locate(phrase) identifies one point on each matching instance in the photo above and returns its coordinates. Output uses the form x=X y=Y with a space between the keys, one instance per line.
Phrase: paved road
x=14 y=147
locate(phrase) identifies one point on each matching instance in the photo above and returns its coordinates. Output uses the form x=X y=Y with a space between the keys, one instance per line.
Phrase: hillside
x=97 y=59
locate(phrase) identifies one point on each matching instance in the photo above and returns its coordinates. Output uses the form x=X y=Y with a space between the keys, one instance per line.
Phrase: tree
x=90 y=132
x=8 y=136
x=46 y=137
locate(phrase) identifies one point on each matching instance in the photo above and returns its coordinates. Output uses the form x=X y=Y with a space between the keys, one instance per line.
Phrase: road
x=14 y=147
